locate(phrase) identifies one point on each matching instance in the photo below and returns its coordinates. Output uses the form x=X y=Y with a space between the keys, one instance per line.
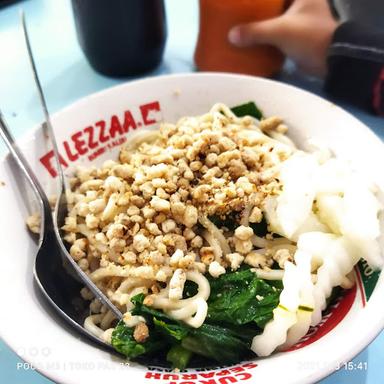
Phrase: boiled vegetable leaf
x=206 y=340
x=179 y=357
x=240 y=298
x=190 y=289
x=147 y=312
x=175 y=331
x=247 y=109
x=239 y=306
x=217 y=343
x=124 y=342
x=230 y=221
x=260 y=229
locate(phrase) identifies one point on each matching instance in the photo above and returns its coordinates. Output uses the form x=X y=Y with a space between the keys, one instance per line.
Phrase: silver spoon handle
x=43 y=102
x=23 y=165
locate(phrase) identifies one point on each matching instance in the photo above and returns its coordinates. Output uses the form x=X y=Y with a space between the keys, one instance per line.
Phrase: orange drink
x=213 y=50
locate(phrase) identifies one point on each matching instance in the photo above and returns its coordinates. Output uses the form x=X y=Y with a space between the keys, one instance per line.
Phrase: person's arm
x=303 y=33
x=349 y=56
x=356 y=66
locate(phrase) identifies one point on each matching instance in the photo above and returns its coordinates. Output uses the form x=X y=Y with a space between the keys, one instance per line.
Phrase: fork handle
x=23 y=165
x=43 y=102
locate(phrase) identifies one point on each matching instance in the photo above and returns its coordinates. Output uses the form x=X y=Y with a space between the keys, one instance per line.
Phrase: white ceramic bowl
x=84 y=131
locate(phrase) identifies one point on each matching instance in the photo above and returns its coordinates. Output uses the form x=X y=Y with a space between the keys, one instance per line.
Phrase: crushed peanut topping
x=150 y=214
x=141 y=332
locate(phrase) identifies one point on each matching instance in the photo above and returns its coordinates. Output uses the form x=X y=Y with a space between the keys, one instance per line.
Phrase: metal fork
x=52 y=251
x=61 y=205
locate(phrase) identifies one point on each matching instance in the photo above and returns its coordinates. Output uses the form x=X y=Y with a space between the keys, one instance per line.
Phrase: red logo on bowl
x=236 y=374
x=94 y=140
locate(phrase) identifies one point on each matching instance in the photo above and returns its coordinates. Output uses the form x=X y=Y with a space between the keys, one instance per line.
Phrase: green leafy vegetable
x=217 y=343
x=179 y=357
x=206 y=340
x=124 y=342
x=190 y=289
x=248 y=109
x=240 y=298
x=175 y=331
x=147 y=312
x=122 y=336
x=230 y=221
x=260 y=229
x=239 y=306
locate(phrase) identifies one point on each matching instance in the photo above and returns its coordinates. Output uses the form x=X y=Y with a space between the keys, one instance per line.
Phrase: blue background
x=66 y=77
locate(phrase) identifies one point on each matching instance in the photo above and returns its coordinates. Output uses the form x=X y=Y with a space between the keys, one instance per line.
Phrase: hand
x=303 y=33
